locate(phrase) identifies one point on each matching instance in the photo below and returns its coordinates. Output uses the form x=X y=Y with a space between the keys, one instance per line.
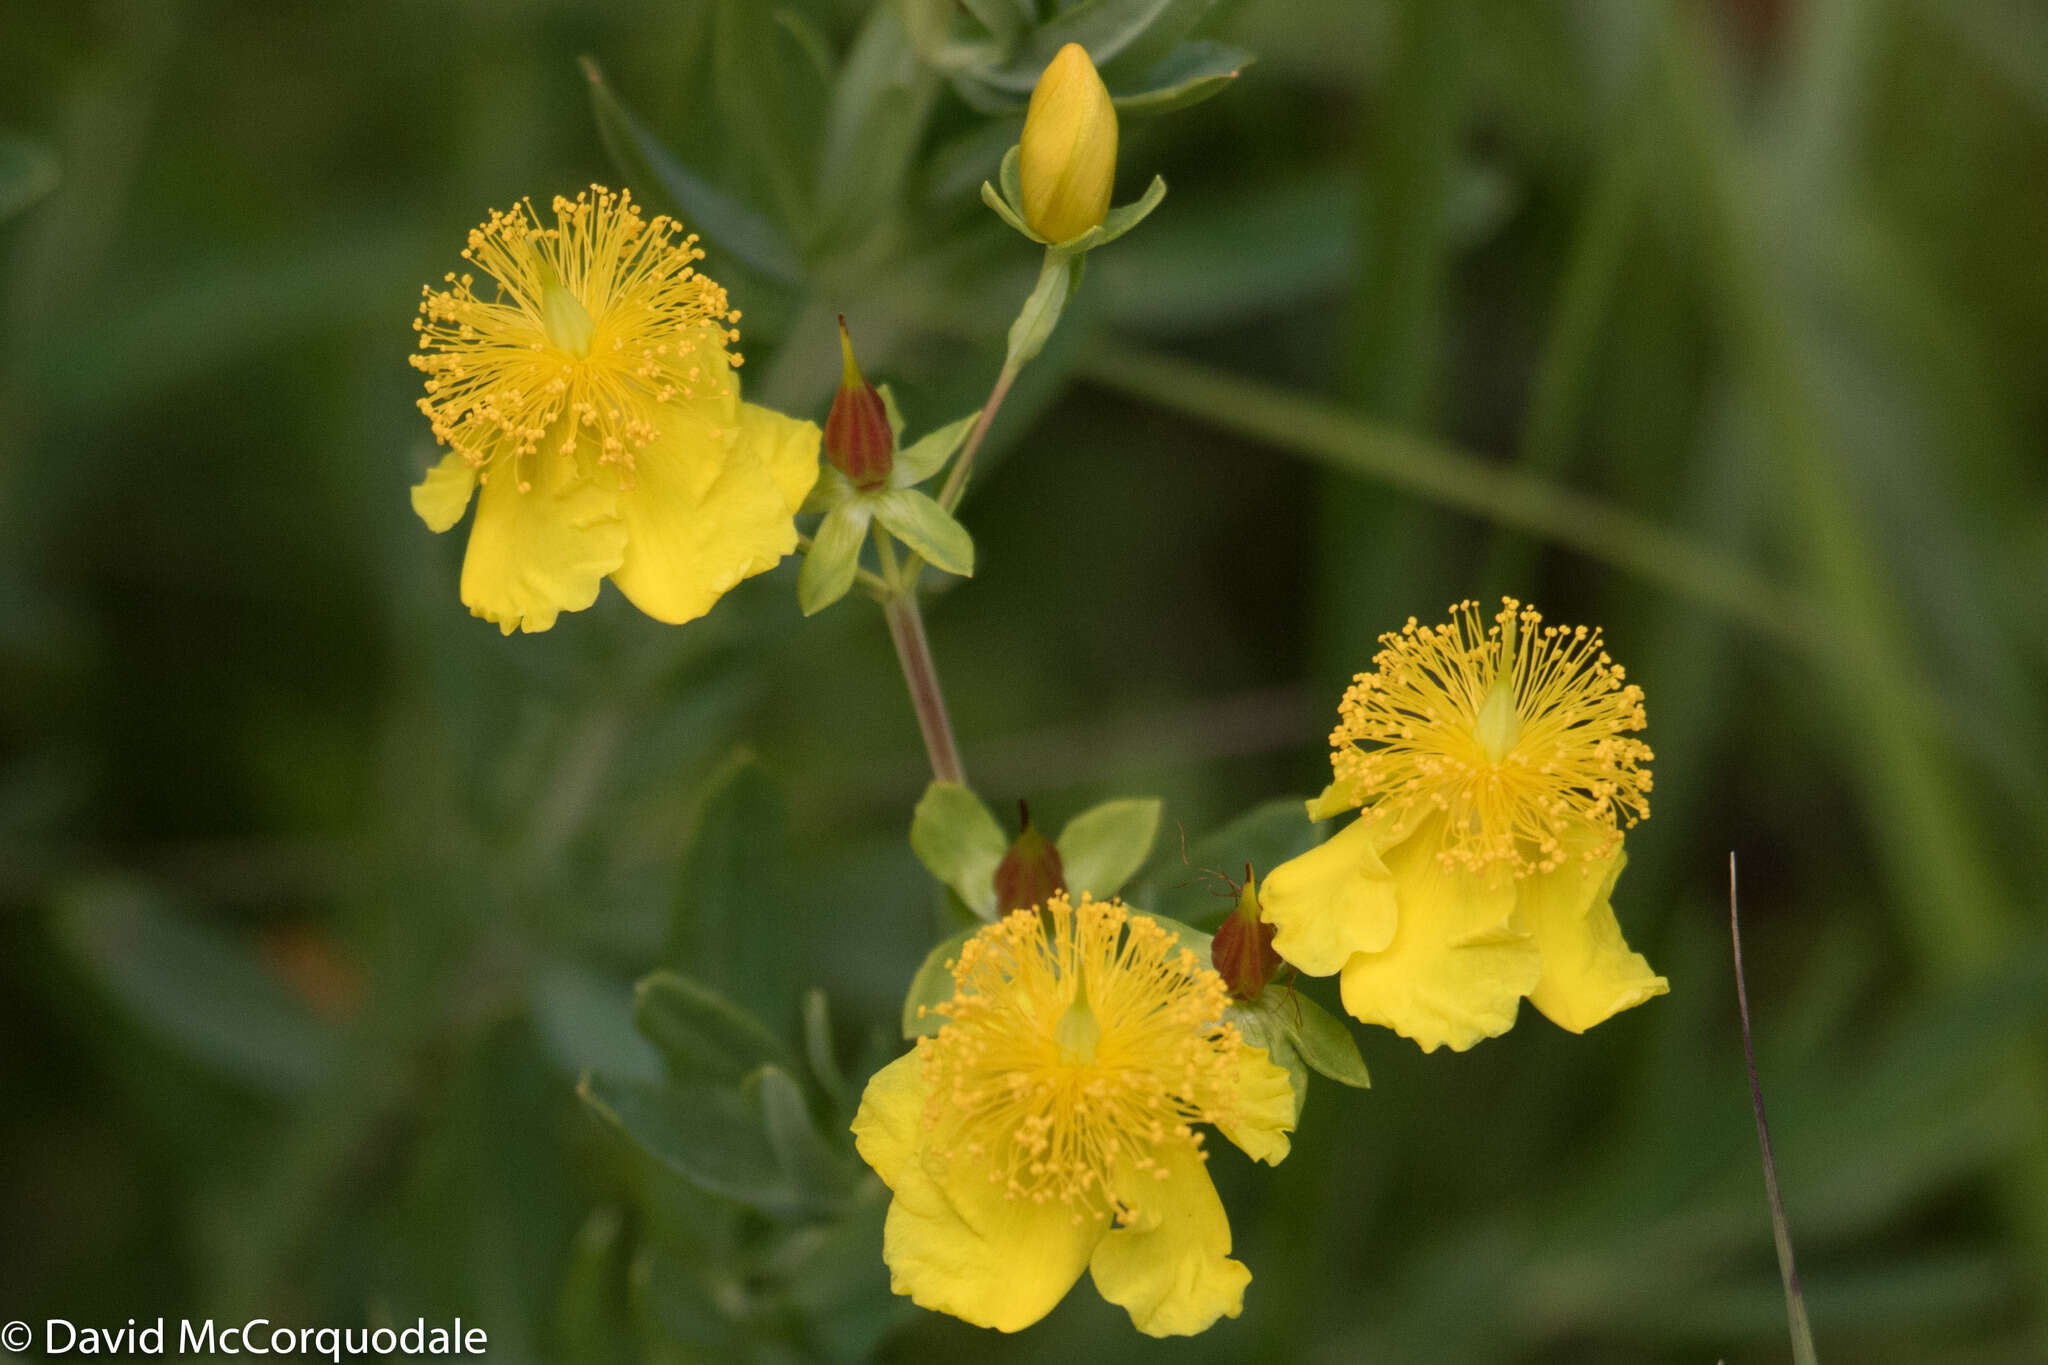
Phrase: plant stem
x=1781 y=1232
x=956 y=479
x=914 y=653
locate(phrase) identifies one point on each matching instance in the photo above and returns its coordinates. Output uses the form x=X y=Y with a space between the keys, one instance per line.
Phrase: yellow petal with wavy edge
x=954 y=1242
x=1457 y=968
x=703 y=512
x=442 y=496
x=1332 y=902
x=537 y=553
x=1170 y=1268
x=1589 y=972
x=1266 y=1108
x=788 y=447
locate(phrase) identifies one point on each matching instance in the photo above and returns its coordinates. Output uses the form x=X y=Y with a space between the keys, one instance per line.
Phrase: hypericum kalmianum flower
x=1050 y=1127
x=589 y=402
x=1495 y=768
x=858 y=439
x=1067 y=155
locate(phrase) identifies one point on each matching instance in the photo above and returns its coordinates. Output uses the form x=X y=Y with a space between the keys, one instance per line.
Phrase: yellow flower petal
x=1589 y=972
x=1331 y=902
x=1456 y=968
x=1170 y=1268
x=788 y=447
x=702 y=513
x=953 y=1241
x=535 y=554
x=1335 y=799
x=442 y=497
x=1265 y=1108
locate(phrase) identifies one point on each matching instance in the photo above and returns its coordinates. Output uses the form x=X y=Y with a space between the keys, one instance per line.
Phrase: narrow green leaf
x=1188 y=75
x=1321 y=1038
x=736 y=869
x=821 y=1177
x=1041 y=311
x=1003 y=19
x=960 y=843
x=881 y=104
x=773 y=106
x=834 y=557
x=1103 y=848
x=195 y=988
x=929 y=453
x=820 y=1051
x=1107 y=29
x=28 y=171
x=705 y=1134
x=702 y=1035
x=932 y=985
x=590 y=1307
x=735 y=227
x=919 y=522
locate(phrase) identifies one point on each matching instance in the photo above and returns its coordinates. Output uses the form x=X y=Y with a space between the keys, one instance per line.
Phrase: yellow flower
x=1496 y=771
x=592 y=400
x=1049 y=1127
x=1066 y=163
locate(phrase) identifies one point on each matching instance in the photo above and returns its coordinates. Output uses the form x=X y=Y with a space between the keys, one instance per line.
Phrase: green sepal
x=1101 y=849
x=932 y=985
x=1320 y=1037
x=928 y=454
x=959 y=842
x=834 y=556
x=894 y=413
x=918 y=521
x=831 y=489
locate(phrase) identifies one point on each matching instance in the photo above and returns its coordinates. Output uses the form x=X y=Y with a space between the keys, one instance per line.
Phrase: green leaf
x=1003 y=19
x=1323 y=1041
x=1103 y=848
x=1261 y=1029
x=28 y=171
x=932 y=985
x=929 y=453
x=1188 y=75
x=586 y=1020
x=701 y=1034
x=919 y=522
x=772 y=103
x=831 y=489
x=820 y=1176
x=1041 y=311
x=880 y=106
x=591 y=1306
x=708 y=1135
x=1107 y=29
x=736 y=868
x=735 y=227
x=192 y=986
x=834 y=557
x=820 y=1051
x=960 y=843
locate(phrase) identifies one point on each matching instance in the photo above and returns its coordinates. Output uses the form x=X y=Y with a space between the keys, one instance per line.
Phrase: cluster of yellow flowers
x=1055 y=1123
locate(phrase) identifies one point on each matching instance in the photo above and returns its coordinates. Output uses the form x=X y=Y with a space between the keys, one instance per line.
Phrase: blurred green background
x=1720 y=325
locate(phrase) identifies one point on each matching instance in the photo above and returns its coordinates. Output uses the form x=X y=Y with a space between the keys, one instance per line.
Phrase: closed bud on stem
x=1243 y=948
x=1067 y=156
x=1031 y=872
x=858 y=440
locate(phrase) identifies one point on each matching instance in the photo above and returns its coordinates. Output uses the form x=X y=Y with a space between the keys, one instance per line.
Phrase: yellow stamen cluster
x=1079 y=1041
x=596 y=322
x=1518 y=733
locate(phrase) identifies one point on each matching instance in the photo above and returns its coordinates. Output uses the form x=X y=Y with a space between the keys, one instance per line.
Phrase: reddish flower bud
x=1243 y=948
x=858 y=440
x=1031 y=871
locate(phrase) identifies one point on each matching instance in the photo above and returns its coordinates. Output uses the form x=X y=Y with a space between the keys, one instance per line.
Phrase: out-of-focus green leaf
x=701 y=1034
x=591 y=1306
x=821 y=1177
x=880 y=106
x=932 y=984
x=735 y=227
x=773 y=103
x=28 y=171
x=706 y=1134
x=191 y=986
x=821 y=1052
x=586 y=1020
x=960 y=843
x=1188 y=75
x=919 y=522
x=833 y=560
x=1102 y=848
x=1323 y=1041
x=1147 y=29
x=735 y=873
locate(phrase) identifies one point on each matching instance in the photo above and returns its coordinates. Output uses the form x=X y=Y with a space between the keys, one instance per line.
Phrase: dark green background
x=315 y=894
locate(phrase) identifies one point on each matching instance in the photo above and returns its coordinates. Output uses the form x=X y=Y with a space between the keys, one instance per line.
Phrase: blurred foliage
x=1719 y=324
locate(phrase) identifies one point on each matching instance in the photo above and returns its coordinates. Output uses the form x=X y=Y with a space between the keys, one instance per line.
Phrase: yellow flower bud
x=1068 y=159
